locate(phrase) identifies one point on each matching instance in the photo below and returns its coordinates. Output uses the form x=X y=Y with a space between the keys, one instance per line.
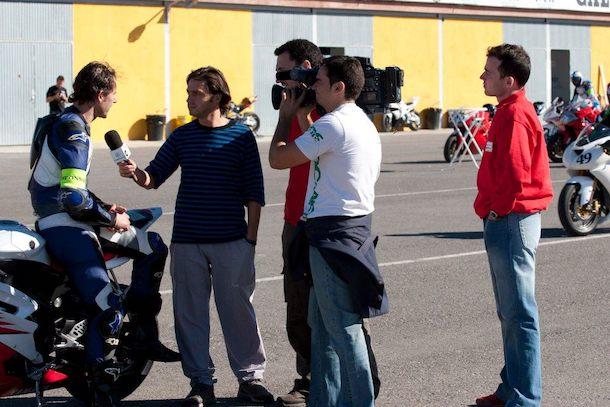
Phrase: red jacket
x=297 y=181
x=514 y=174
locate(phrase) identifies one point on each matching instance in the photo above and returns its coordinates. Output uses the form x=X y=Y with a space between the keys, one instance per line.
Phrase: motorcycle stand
x=37 y=374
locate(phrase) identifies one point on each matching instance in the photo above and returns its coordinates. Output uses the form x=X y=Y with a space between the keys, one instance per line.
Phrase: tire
x=571 y=213
x=450 y=147
x=137 y=368
x=554 y=147
x=252 y=121
x=415 y=122
x=386 y=123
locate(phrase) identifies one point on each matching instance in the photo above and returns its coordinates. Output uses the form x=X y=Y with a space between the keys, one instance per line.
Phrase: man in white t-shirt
x=345 y=153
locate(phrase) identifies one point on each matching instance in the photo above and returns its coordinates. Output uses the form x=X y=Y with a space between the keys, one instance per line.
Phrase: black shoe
x=158 y=352
x=298 y=396
x=254 y=391
x=201 y=395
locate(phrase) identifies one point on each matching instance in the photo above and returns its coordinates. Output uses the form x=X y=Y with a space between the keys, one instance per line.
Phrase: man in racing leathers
x=71 y=218
x=583 y=92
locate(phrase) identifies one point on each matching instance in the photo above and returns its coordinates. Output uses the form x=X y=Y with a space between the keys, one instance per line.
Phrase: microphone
x=118 y=151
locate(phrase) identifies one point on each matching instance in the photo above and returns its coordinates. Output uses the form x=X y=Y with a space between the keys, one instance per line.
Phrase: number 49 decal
x=584 y=158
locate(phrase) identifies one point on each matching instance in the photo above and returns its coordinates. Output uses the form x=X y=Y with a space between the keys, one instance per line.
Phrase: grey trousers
x=228 y=269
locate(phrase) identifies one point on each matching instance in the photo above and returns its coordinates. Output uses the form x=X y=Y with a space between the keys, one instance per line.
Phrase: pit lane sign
x=591 y=6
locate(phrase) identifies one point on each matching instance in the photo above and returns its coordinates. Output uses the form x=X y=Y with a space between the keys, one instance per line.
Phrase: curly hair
x=94 y=78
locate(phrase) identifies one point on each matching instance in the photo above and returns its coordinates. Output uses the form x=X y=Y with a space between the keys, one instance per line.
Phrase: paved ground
x=440 y=345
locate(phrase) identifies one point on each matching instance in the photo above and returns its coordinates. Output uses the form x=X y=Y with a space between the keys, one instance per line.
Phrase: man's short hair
x=347 y=70
x=60 y=78
x=514 y=61
x=94 y=78
x=215 y=83
x=300 y=50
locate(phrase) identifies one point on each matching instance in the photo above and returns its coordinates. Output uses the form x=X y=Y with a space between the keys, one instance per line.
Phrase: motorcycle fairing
x=16 y=331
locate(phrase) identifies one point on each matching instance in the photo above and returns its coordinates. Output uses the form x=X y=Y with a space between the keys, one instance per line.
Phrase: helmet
x=576 y=78
x=587 y=86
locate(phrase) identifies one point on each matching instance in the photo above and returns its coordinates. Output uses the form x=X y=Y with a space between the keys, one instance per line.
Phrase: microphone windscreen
x=113 y=140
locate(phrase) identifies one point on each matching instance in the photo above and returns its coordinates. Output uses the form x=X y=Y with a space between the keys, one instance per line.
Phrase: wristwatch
x=493 y=216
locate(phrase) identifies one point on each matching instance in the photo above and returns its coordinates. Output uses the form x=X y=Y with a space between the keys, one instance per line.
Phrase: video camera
x=381 y=86
x=300 y=75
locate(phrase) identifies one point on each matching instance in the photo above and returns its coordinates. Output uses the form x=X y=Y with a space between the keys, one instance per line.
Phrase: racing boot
x=100 y=378
x=143 y=314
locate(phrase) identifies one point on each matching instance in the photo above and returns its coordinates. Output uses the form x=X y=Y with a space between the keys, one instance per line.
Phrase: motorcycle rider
x=71 y=218
x=583 y=92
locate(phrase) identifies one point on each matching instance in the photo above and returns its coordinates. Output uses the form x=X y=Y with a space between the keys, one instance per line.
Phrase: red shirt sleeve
x=513 y=166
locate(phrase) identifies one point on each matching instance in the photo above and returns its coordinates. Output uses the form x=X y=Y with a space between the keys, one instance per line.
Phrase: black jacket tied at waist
x=348 y=247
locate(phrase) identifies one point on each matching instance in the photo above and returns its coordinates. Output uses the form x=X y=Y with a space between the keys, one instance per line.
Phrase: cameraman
x=305 y=54
x=347 y=287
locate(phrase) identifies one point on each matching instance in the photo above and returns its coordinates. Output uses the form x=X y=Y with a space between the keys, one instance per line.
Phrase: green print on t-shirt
x=314 y=133
x=314 y=194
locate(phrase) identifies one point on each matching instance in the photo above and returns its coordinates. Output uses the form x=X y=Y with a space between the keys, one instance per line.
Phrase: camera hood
x=298 y=74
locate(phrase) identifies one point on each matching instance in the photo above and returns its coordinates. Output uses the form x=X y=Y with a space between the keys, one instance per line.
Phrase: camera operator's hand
x=291 y=103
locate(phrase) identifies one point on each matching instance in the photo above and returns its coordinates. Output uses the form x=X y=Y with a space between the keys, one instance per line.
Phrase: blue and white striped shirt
x=221 y=172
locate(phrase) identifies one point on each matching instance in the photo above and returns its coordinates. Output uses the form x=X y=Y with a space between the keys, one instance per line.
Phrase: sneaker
x=201 y=395
x=254 y=391
x=298 y=396
x=489 y=401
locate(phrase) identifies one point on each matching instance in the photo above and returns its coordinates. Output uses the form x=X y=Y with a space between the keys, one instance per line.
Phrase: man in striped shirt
x=212 y=244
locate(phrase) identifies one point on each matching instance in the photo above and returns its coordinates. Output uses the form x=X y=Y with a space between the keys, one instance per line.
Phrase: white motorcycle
x=401 y=114
x=585 y=197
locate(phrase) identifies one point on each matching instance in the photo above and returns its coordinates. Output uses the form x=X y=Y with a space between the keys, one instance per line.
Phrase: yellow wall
x=220 y=38
x=130 y=38
x=417 y=54
x=464 y=48
x=600 y=55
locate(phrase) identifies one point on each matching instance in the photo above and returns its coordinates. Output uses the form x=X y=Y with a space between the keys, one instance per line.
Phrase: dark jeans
x=296 y=295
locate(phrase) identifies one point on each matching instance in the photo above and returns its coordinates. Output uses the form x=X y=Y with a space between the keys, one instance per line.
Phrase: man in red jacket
x=514 y=186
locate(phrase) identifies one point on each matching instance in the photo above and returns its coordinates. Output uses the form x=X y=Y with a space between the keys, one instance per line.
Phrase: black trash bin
x=433 y=118
x=155 y=124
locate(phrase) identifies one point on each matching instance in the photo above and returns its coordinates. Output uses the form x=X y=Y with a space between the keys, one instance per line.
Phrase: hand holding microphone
x=120 y=154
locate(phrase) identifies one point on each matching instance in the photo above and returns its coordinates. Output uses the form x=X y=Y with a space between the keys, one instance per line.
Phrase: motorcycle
x=250 y=119
x=563 y=124
x=401 y=114
x=43 y=321
x=479 y=123
x=585 y=197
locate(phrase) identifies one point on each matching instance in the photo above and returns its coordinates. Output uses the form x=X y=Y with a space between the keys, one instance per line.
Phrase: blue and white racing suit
x=72 y=219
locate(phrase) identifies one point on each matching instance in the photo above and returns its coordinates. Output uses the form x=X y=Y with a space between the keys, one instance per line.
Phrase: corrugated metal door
x=576 y=39
x=272 y=29
x=532 y=37
x=35 y=47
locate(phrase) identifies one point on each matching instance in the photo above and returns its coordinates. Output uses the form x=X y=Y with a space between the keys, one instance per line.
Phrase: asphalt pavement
x=440 y=344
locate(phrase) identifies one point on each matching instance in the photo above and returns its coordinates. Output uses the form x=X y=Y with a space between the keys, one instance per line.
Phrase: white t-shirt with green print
x=345 y=153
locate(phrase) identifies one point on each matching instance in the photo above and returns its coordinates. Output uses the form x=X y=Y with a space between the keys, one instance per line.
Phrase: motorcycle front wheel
x=252 y=121
x=576 y=219
x=415 y=122
x=554 y=147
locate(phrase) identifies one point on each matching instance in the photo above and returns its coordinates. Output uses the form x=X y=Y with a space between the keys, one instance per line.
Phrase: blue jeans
x=511 y=244
x=340 y=369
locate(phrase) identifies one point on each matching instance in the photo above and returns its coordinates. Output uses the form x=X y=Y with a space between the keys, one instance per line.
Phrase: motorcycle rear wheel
x=450 y=147
x=252 y=121
x=571 y=213
x=137 y=368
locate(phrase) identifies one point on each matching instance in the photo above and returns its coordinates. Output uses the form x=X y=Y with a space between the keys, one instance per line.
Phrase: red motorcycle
x=476 y=122
x=563 y=125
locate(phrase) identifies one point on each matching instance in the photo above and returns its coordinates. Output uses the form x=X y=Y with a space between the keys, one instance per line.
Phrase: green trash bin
x=155 y=124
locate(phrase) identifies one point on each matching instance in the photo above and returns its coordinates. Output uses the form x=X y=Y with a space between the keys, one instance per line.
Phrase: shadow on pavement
x=70 y=402
x=547 y=233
